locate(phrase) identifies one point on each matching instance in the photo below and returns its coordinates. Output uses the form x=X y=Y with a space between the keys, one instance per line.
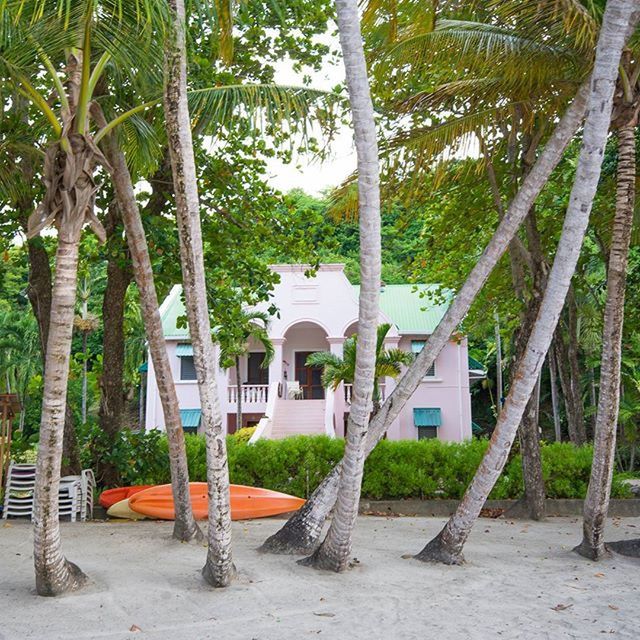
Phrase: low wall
x=629 y=507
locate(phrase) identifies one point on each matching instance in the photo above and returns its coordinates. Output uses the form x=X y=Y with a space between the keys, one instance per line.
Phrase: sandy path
x=517 y=573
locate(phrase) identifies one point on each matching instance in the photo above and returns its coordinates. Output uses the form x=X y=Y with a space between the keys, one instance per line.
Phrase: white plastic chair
x=293 y=390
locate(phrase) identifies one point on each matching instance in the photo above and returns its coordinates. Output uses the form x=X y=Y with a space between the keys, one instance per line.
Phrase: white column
x=336 y=346
x=275 y=368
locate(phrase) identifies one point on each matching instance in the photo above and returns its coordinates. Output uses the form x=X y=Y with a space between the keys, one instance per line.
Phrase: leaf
x=561 y=607
x=326 y=614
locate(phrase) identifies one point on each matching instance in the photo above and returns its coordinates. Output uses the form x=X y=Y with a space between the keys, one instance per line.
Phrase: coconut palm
x=219 y=569
x=597 y=501
x=619 y=18
x=33 y=32
x=337 y=370
x=302 y=530
x=333 y=553
x=234 y=344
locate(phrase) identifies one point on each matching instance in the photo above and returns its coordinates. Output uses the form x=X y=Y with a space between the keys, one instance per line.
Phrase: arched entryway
x=302 y=339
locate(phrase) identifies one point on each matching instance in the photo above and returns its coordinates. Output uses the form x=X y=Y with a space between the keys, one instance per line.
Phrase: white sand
x=516 y=575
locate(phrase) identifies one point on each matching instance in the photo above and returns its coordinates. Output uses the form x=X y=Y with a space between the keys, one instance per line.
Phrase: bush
x=395 y=469
x=244 y=434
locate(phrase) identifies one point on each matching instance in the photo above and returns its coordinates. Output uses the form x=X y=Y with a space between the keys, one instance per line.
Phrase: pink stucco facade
x=318 y=314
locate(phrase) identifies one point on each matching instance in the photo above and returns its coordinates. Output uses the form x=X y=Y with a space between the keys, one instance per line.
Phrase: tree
x=333 y=553
x=447 y=546
x=219 y=569
x=337 y=370
x=234 y=344
x=301 y=531
x=597 y=501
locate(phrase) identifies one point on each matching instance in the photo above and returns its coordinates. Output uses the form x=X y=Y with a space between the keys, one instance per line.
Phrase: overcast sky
x=304 y=172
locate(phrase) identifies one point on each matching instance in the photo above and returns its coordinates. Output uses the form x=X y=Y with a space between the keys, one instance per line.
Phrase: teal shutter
x=427 y=417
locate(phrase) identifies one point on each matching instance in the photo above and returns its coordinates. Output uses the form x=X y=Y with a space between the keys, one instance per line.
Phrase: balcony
x=348 y=390
x=250 y=394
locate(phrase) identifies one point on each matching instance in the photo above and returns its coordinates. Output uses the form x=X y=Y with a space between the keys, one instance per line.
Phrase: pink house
x=318 y=314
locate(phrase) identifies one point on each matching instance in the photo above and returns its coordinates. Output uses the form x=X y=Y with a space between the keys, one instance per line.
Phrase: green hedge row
x=395 y=469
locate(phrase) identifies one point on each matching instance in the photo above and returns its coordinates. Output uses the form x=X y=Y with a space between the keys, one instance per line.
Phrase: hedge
x=395 y=469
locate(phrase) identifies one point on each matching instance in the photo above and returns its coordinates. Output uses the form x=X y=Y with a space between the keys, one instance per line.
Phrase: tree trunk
x=561 y=353
x=54 y=573
x=39 y=294
x=296 y=536
x=596 y=504
x=239 y=395
x=112 y=402
x=185 y=527
x=447 y=546
x=574 y=366
x=334 y=552
x=555 y=405
x=498 y=366
x=218 y=570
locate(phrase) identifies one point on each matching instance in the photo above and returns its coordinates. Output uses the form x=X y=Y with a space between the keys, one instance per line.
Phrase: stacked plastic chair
x=75 y=496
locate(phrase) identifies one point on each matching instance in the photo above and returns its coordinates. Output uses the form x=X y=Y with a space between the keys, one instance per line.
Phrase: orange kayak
x=109 y=497
x=246 y=502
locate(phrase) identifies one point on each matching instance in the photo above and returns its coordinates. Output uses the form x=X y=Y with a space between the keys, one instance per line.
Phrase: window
x=257 y=374
x=416 y=347
x=427 y=420
x=187 y=368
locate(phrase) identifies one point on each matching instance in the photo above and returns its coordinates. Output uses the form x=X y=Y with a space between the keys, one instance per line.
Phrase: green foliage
x=424 y=469
x=244 y=434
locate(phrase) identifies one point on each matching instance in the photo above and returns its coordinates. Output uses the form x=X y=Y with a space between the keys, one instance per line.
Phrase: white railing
x=348 y=389
x=249 y=393
x=263 y=430
x=329 y=426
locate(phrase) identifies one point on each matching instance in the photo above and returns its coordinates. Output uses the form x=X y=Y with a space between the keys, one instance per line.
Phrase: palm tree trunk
x=301 y=531
x=239 y=395
x=574 y=365
x=218 y=569
x=54 y=573
x=447 y=546
x=39 y=294
x=184 y=527
x=112 y=404
x=596 y=504
x=555 y=404
x=334 y=552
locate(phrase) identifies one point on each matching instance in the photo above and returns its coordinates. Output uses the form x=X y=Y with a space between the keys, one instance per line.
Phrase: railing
x=348 y=389
x=263 y=430
x=249 y=393
x=329 y=426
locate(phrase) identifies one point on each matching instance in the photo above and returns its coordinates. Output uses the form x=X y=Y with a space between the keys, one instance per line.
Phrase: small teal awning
x=144 y=367
x=475 y=365
x=427 y=418
x=476 y=429
x=184 y=349
x=190 y=419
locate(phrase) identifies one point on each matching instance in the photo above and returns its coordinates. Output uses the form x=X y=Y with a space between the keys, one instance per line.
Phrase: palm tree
x=234 y=344
x=447 y=546
x=219 y=569
x=33 y=31
x=337 y=370
x=301 y=532
x=597 y=501
x=333 y=553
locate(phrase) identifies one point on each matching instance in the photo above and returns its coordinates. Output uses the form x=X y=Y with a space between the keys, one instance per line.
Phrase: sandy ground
x=521 y=581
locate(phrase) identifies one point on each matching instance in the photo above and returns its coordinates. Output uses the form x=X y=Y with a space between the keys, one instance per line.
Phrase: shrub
x=244 y=434
x=395 y=469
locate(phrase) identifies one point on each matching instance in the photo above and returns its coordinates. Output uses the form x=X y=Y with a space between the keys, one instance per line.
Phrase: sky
x=305 y=172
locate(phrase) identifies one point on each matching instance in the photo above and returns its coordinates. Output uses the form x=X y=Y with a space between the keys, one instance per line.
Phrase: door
x=257 y=374
x=310 y=378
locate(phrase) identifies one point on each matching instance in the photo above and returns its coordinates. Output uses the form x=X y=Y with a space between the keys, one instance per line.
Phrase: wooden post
x=9 y=407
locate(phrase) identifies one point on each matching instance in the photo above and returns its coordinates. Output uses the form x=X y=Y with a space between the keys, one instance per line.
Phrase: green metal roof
x=407 y=306
x=170 y=310
x=427 y=417
x=476 y=365
x=190 y=418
